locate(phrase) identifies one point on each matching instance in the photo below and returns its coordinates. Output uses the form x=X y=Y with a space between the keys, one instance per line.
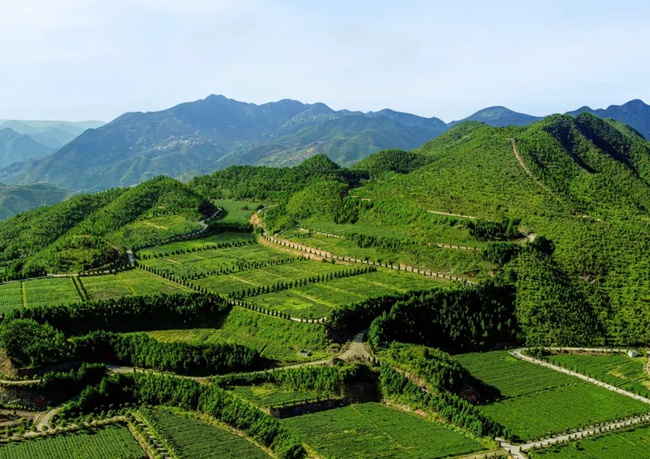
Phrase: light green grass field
x=537 y=402
x=192 y=438
x=50 y=292
x=374 y=431
x=153 y=229
x=236 y=211
x=128 y=283
x=109 y=442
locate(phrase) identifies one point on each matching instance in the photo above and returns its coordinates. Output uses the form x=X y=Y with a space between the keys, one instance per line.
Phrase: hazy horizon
x=90 y=60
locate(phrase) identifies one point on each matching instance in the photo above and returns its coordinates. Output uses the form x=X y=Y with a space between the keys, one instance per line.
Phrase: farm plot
x=190 y=438
x=268 y=276
x=269 y=395
x=629 y=444
x=536 y=402
x=317 y=300
x=411 y=253
x=196 y=244
x=11 y=297
x=232 y=258
x=109 y=442
x=373 y=431
x=50 y=292
x=128 y=283
x=616 y=369
x=275 y=339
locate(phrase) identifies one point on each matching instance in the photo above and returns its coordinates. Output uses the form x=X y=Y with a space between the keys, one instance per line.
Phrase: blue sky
x=89 y=59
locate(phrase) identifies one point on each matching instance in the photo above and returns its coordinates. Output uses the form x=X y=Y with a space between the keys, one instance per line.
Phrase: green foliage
x=391 y=160
x=472 y=317
x=30 y=344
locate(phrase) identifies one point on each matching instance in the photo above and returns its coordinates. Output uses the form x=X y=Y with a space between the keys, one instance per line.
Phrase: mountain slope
x=88 y=231
x=54 y=134
x=19 y=147
x=635 y=113
x=217 y=132
x=500 y=117
x=21 y=198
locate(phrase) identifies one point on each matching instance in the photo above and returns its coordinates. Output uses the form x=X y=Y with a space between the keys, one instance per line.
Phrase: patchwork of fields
x=537 y=402
x=111 y=442
x=128 y=283
x=374 y=431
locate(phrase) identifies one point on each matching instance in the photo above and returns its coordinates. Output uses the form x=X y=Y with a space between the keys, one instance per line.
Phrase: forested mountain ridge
x=200 y=137
x=215 y=132
x=19 y=147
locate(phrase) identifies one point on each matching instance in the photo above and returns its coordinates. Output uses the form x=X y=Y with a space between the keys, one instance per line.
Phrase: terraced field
x=190 y=438
x=153 y=229
x=536 y=402
x=616 y=369
x=194 y=244
x=275 y=339
x=232 y=258
x=318 y=300
x=629 y=444
x=50 y=291
x=11 y=297
x=268 y=276
x=128 y=283
x=109 y=442
x=374 y=431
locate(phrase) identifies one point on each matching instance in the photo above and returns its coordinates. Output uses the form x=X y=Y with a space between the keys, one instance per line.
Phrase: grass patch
x=371 y=430
x=269 y=395
x=197 y=243
x=236 y=211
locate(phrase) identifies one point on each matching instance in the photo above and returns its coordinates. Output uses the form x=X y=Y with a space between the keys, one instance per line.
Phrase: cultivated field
x=196 y=244
x=49 y=292
x=212 y=260
x=536 y=402
x=616 y=369
x=153 y=229
x=374 y=431
x=275 y=339
x=318 y=300
x=11 y=297
x=128 y=283
x=109 y=442
x=629 y=444
x=190 y=438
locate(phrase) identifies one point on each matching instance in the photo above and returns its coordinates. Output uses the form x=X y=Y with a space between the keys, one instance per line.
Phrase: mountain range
x=199 y=137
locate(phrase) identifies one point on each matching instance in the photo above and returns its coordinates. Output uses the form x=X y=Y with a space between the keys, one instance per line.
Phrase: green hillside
x=20 y=198
x=92 y=230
